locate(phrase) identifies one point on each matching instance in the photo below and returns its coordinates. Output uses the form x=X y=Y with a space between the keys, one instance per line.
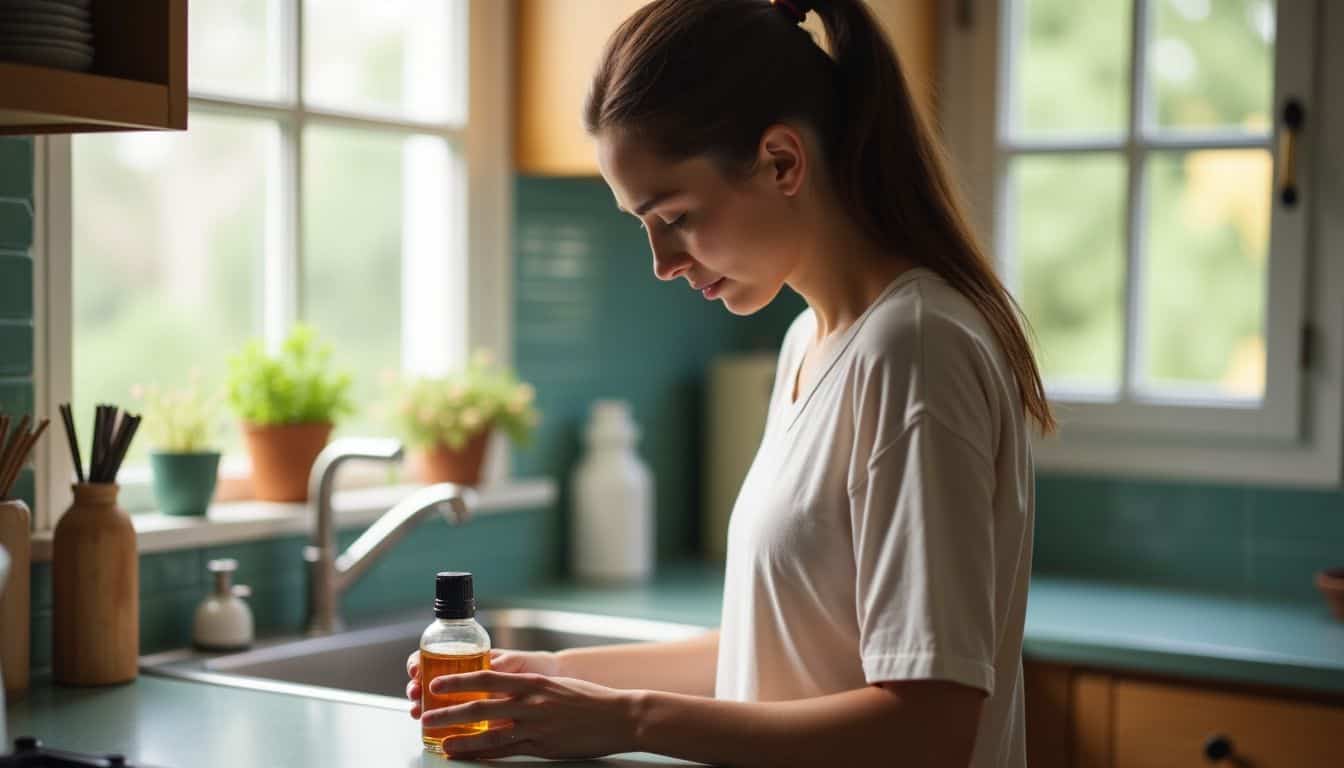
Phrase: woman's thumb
x=506 y=661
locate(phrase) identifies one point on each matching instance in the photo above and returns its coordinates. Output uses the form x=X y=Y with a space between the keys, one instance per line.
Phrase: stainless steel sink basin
x=368 y=666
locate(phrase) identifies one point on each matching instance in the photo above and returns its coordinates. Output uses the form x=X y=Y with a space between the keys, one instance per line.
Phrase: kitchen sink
x=368 y=666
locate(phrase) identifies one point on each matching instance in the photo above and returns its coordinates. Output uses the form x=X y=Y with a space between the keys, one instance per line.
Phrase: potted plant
x=181 y=426
x=447 y=421
x=288 y=404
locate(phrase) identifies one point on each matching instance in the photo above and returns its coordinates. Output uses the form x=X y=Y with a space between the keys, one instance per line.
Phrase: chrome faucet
x=330 y=575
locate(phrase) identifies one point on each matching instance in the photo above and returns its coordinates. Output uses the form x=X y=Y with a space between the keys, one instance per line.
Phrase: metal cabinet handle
x=1294 y=116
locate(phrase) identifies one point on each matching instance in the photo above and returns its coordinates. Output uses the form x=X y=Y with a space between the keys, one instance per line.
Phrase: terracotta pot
x=282 y=456
x=440 y=464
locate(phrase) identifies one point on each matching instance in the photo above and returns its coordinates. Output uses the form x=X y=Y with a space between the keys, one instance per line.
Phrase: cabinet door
x=1159 y=726
x=913 y=28
x=558 y=44
x=1048 y=695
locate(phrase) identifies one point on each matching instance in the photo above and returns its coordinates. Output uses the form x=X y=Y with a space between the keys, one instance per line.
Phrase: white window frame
x=487 y=259
x=1295 y=436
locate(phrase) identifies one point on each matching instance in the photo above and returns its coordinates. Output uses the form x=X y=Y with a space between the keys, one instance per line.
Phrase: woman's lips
x=711 y=291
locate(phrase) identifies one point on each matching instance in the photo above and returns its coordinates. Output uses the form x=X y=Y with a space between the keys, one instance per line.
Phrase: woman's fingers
x=474 y=711
x=496 y=742
x=486 y=681
x=413 y=690
x=413 y=664
x=506 y=662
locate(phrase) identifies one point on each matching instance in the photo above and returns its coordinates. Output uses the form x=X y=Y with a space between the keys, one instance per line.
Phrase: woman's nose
x=669 y=262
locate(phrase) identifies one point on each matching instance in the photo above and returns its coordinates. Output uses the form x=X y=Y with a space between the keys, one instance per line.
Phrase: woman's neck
x=842 y=272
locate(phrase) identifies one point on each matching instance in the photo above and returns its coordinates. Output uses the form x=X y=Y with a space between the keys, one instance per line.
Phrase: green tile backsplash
x=16 y=285
x=591 y=321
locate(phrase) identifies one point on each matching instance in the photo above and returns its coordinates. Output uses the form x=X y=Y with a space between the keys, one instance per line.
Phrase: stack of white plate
x=49 y=33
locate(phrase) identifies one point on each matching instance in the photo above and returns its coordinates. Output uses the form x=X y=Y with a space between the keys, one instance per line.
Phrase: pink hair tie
x=791 y=7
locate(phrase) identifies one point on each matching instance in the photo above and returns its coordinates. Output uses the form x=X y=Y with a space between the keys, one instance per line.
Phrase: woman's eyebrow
x=644 y=207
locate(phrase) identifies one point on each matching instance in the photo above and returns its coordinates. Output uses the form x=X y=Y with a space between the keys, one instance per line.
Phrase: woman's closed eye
x=677 y=223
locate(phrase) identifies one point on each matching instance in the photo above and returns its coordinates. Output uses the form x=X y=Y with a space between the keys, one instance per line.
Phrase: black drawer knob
x=1217 y=748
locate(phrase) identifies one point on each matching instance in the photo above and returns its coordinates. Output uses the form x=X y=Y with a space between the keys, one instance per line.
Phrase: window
x=1127 y=162
x=323 y=179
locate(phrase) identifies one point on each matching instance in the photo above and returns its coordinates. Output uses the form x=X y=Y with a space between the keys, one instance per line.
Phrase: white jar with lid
x=612 y=525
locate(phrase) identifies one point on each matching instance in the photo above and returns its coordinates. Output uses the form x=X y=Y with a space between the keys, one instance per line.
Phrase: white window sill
x=232 y=522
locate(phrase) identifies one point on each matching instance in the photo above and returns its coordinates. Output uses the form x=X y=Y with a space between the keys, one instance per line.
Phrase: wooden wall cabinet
x=558 y=43
x=1079 y=718
x=138 y=80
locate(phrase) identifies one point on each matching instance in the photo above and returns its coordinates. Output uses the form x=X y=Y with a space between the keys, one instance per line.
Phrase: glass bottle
x=452 y=644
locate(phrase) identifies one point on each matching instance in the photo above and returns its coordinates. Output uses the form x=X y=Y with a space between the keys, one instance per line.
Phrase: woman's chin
x=748 y=302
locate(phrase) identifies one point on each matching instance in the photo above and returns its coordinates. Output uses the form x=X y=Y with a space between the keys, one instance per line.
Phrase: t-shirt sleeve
x=922 y=522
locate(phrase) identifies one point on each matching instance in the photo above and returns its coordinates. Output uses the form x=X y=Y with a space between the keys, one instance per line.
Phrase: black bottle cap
x=453 y=598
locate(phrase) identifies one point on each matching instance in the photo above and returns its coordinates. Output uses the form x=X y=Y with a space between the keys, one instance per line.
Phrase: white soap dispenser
x=223 y=619
x=612 y=527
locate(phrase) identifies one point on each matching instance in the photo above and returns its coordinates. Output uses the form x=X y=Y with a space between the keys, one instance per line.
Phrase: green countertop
x=177 y=724
x=173 y=723
x=1185 y=634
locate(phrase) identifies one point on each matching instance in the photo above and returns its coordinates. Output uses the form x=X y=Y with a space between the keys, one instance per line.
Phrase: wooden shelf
x=138 y=82
x=44 y=100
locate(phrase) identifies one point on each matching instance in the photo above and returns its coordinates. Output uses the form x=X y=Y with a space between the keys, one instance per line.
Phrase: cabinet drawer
x=1160 y=725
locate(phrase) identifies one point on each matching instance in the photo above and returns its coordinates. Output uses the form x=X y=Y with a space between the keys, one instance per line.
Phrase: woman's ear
x=783 y=155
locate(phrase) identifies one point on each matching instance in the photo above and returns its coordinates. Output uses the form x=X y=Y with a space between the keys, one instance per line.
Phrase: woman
x=880 y=548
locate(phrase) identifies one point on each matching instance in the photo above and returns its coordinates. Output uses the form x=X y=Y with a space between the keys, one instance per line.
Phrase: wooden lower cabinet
x=1082 y=718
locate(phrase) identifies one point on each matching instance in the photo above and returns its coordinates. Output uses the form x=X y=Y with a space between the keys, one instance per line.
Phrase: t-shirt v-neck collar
x=794 y=407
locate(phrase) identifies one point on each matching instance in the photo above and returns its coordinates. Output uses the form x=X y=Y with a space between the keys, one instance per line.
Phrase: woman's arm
x=681 y=666
x=918 y=723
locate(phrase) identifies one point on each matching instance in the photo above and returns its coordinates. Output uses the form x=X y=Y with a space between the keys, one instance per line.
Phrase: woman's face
x=732 y=239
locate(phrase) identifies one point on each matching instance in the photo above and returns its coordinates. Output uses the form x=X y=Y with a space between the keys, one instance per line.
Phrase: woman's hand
x=533 y=714
x=541 y=662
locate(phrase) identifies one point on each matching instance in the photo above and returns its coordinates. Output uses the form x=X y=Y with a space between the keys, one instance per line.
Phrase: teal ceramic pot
x=184 y=483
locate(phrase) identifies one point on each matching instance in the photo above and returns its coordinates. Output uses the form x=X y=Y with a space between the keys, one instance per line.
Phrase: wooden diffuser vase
x=95 y=577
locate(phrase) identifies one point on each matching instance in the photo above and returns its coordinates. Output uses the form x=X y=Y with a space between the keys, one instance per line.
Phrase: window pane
x=1065 y=224
x=162 y=287
x=237 y=48
x=378 y=256
x=1211 y=64
x=1070 y=69
x=394 y=57
x=1206 y=243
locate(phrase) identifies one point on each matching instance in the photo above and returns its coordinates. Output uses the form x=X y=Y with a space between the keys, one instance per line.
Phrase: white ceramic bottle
x=612 y=525
x=223 y=620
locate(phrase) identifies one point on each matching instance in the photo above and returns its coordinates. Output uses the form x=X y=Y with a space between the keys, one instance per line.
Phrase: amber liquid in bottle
x=434 y=665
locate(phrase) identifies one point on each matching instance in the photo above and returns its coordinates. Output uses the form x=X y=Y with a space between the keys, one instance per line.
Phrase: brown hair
x=708 y=77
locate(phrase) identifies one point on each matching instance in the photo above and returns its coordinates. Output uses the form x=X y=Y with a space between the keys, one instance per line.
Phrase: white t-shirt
x=884 y=530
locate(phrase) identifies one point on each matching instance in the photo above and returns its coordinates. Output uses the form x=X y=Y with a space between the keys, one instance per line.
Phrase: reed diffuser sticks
x=113 y=431
x=14 y=450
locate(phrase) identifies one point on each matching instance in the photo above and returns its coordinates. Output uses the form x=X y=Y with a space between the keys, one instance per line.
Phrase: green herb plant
x=296 y=386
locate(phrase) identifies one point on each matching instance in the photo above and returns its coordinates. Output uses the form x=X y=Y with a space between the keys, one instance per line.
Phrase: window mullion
x=299 y=122
x=1135 y=155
